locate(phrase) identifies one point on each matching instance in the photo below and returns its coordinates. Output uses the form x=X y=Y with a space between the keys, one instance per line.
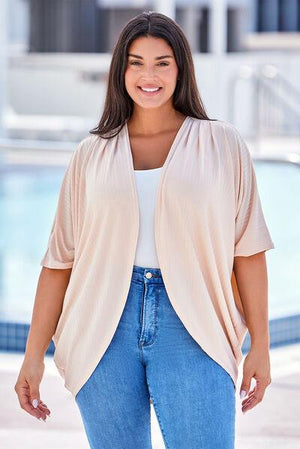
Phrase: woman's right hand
x=27 y=387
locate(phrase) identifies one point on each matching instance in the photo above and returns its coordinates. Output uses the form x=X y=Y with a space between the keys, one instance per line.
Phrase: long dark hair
x=118 y=106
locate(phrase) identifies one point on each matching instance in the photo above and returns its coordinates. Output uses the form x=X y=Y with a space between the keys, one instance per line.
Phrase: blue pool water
x=28 y=200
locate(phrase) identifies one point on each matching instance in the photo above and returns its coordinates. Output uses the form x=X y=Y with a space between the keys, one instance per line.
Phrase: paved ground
x=274 y=423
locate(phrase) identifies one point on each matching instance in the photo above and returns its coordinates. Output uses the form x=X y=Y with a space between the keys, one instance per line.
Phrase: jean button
x=148 y=275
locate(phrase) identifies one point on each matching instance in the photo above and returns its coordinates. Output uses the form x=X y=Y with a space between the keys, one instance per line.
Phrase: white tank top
x=147 y=183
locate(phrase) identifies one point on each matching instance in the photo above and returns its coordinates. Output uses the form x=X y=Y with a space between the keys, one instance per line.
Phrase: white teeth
x=149 y=89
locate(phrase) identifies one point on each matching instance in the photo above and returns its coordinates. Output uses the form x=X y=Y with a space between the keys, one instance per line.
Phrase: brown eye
x=138 y=63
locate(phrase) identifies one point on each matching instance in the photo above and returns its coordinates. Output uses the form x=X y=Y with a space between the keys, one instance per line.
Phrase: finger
x=34 y=394
x=257 y=392
x=251 y=402
x=43 y=407
x=245 y=386
x=35 y=398
x=250 y=395
x=251 y=392
x=260 y=389
x=24 y=400
x=247 y=402
x=249 y=406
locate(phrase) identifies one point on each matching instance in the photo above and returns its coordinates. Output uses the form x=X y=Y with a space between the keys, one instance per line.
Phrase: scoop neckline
x=171 y=150
x=149 y=169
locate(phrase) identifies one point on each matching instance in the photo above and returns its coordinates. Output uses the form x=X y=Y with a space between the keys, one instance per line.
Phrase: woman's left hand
x=257 y=365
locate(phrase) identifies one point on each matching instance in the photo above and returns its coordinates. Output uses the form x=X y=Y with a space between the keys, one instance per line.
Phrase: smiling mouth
x=149 y=92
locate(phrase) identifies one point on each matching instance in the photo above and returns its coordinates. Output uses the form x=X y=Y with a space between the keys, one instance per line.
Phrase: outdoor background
x=54 y=61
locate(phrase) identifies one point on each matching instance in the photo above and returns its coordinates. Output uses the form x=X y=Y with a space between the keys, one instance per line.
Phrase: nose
x=148 y=72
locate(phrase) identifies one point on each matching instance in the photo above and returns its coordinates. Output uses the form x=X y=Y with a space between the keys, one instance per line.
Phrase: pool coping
x=283 y=331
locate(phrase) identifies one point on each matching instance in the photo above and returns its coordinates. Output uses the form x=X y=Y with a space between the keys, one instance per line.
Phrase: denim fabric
x=152 y=355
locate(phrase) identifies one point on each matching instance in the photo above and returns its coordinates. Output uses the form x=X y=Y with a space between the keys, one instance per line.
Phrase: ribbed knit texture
x=208 y=211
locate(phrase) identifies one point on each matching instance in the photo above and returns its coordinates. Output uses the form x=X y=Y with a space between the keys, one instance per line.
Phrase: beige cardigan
x=208 y=210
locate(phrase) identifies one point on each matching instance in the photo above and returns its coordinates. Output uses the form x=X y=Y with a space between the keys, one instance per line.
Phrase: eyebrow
x=158 y=57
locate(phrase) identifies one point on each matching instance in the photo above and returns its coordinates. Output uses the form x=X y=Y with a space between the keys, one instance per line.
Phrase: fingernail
x=242 y=394
x=35 y=403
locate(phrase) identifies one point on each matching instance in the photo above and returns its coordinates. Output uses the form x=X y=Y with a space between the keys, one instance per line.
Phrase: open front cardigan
x=208 y=211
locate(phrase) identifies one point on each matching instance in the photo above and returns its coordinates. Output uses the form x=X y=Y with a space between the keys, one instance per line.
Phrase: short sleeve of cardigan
x=60 y=247
x=251 y=232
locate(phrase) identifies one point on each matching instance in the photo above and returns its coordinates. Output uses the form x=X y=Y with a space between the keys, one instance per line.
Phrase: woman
x=155 y=266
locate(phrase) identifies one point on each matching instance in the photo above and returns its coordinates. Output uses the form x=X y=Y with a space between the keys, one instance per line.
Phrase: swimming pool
x=28 y=200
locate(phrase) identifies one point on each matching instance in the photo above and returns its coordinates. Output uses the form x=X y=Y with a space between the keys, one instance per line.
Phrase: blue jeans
x=152 y=355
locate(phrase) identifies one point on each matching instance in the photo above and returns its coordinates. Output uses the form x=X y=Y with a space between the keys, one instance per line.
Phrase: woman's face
x=151 y=64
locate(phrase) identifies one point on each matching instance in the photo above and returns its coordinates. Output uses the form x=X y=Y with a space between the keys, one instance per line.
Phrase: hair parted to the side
x=118 y=105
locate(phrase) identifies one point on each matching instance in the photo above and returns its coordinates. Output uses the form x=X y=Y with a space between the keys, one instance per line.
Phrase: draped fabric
x=208 y=211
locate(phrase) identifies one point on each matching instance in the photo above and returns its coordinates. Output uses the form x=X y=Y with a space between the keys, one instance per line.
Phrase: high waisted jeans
x=152 y=355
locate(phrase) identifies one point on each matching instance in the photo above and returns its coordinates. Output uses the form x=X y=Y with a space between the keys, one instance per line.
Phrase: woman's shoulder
x=216 y=125
x=223 y=132
x=226 y=126
x=90 y=141
x=87 y=145
x=224 y=136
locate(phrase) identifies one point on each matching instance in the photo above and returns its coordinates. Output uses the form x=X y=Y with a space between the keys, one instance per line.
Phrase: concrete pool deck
x=273 y=423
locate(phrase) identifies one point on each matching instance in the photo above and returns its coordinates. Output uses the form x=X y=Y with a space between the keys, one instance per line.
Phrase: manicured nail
x=35 y=403
x=243 y=394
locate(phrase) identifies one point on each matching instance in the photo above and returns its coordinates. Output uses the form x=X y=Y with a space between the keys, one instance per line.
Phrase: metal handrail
x=260 y=78
x=288 y=85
